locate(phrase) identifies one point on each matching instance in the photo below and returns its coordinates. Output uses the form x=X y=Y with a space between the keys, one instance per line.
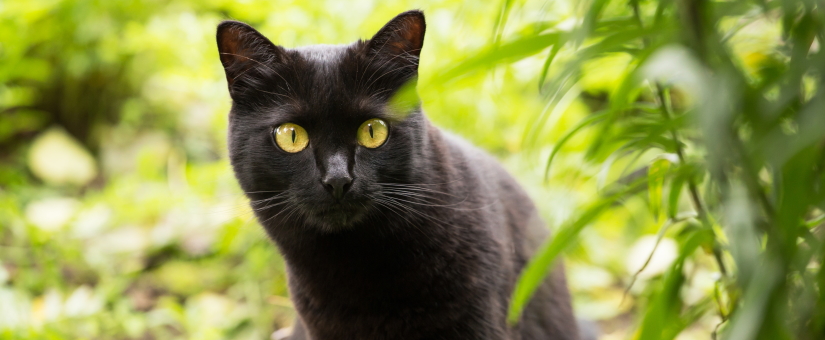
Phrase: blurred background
x=680 y=126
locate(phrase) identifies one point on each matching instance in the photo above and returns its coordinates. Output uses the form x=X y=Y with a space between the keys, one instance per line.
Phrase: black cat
x=390 y=228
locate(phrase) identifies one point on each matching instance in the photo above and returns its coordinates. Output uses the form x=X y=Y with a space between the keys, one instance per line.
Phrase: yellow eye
x=373 y=133
x=291 y=137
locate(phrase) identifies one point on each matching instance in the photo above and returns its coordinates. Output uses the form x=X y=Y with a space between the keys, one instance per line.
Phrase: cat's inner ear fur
x=401 y=38
x=246 y=53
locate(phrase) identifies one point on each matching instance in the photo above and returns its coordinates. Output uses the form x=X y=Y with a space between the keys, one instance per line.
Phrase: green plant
x=720 y=133
x=699 y=120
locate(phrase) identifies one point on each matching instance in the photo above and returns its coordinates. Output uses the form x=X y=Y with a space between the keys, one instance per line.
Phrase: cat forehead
x=322 y=54
x=325 y=78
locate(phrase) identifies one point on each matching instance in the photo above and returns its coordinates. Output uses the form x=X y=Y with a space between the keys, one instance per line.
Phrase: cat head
x=314 y=135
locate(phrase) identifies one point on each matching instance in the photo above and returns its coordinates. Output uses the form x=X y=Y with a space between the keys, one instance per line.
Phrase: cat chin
x=327 y=225
x=335 y=220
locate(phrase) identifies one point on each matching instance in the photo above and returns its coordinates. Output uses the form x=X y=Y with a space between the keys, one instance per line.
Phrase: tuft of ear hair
x=401 y=38
x=243 y=49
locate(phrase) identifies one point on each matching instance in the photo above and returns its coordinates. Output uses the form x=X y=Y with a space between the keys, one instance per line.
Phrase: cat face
x=313 y=133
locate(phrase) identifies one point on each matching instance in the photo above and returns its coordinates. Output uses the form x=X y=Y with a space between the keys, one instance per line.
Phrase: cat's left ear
x=401 y=38
x=246 y=52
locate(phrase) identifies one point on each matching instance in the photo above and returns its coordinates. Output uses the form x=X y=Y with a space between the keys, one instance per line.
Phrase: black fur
x=431 y=233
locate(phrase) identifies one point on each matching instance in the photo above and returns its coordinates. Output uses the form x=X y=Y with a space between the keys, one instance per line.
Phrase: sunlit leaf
x=589 y=120
x=534 y=273
x=506 y=52
x=656 y=174
x=673 y=195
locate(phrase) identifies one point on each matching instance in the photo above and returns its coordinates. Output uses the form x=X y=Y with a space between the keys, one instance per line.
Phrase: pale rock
x=57 y=158
x=51 y=214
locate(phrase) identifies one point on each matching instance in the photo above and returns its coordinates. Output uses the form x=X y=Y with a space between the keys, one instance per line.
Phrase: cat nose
x=338 y=185
x=337 y=179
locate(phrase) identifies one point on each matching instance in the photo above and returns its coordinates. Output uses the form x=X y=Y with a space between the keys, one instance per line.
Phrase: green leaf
x=506 y=53
x=662 y=320
x=591 y=20
x=553 y=52
x=673 y=196
x=405 y=99
x=656 y=174
x=664 y=308
x=815 y=222
x=585 y=122
x=501 y=20
x=541 y=263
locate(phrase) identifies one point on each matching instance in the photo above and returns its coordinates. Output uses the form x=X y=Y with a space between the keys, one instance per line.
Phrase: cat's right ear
x=401 y=38
x=245 y=53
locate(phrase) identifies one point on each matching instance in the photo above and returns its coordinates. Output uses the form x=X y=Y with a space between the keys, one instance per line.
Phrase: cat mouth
x=340 y=214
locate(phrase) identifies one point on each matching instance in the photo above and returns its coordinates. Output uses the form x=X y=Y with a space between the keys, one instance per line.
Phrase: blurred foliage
x=675 y=145
x=715 y=120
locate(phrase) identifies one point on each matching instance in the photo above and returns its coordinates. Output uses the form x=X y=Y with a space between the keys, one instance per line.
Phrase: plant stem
x=664 y=104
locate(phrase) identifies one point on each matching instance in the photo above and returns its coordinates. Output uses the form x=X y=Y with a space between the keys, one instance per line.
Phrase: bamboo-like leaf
x=673 y=196
x=501 y=20
x=564 y=92
x=585 y=122
x=405 y=99
x=553 y=52
x=541 y=263
x=656 y=174
x=507 y=52
x=688 y=317
x=815 y=222
x=664 y=309
x=591 y=20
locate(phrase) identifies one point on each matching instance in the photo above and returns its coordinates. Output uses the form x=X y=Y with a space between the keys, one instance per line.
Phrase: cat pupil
x=293 y=135
x=371 y=136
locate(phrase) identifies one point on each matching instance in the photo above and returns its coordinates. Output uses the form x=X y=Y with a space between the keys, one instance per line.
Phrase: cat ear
x=243 y=50
x=401 y=38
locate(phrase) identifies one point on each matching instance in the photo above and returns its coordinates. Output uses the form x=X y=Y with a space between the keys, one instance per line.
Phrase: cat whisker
x=436 y=195
x=263 y=191
x=270 y=206
x=410 y=209
x=419 y=198
x=412 y=194
x=422 y=184
x=423 y=191
x=452 y=206
x=383 y=201
x=253 y=202
x=289 y=208
x=398 y=211
x=425 y=204
x=420 y=190
x=293 y=211
x=280 y=195
x=240 y=207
